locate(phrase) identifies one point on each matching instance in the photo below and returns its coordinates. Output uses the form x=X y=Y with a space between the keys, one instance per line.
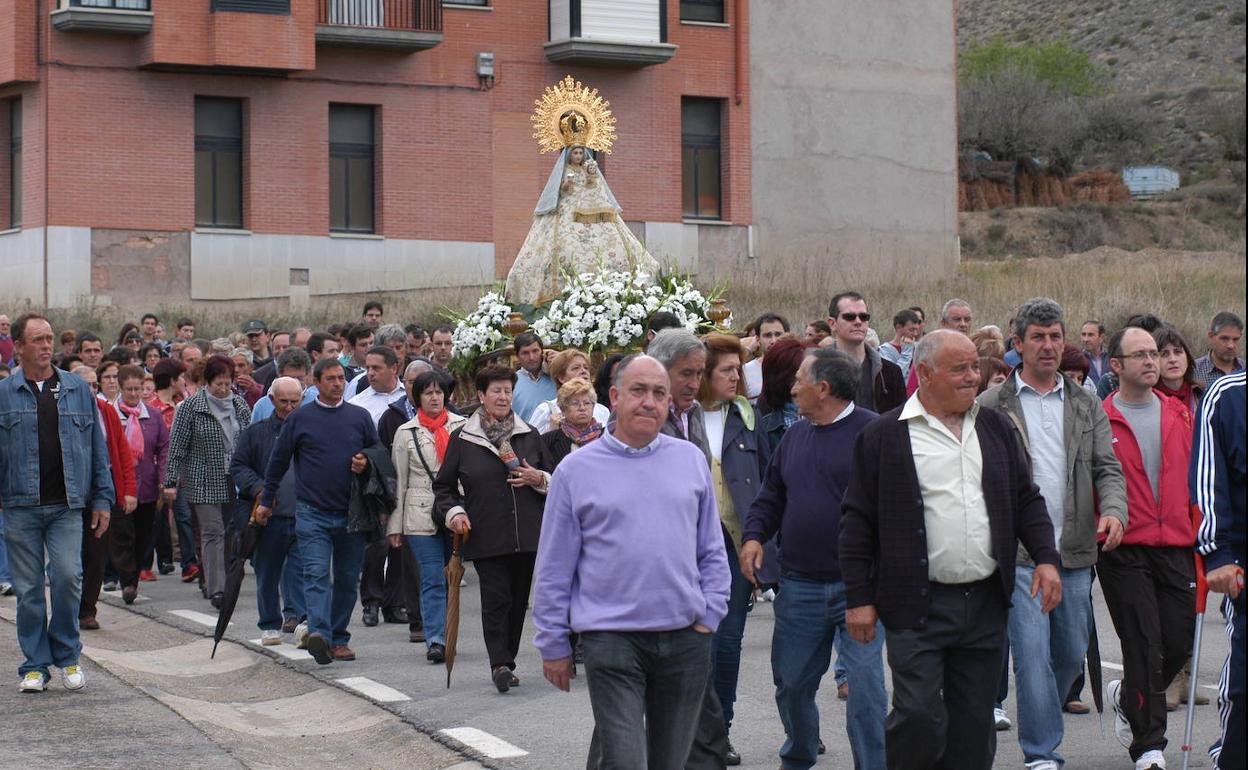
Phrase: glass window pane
x=688 y=188
x=708 y=182
x=229 y=209
x=361 y=192
x=203 y=187
x=15 y=190
x=15 y=119
x=218 y=118
x=337 y=193
x=702 y=10
x=351 y=124
x=699 y=120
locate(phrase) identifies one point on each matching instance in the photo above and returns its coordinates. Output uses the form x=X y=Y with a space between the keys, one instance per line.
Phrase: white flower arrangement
x=607 y=309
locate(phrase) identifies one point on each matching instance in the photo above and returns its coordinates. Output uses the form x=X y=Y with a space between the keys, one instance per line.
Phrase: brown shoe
x=842 y=691
x=1076 y=707
x=289 y=625
x=89 y=624
x=342 y=652
x=416 y=636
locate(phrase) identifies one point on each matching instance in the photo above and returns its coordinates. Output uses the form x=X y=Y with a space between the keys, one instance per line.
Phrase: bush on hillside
x=1060 y=66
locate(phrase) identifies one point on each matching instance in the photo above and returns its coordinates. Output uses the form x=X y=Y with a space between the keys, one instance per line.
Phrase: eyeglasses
x=1142 y=355
x=851 y=317
x=580 y=403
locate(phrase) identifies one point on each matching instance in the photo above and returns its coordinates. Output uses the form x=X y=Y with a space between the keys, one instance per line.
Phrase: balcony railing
x=124 y=17
x=396 y=25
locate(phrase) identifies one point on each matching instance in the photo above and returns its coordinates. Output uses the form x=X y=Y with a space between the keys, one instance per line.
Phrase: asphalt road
x=535 y=727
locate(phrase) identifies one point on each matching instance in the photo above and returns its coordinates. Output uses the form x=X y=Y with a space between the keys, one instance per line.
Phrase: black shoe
x=515 y=680
x=396 y=615
x=318 y=647
x=110 y=585
x=129 y=594
x=502 y=678
x=215 y=601
x=822 y=749
x=732 y=758
x=416 y=635
x=370 y=615
x=166 y=568
x=436 y=653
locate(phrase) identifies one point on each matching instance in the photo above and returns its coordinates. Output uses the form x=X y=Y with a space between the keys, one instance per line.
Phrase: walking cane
x=1202 y=595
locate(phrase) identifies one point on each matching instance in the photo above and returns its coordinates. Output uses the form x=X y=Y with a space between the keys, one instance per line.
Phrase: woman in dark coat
x=578 y=428
x=500 y=464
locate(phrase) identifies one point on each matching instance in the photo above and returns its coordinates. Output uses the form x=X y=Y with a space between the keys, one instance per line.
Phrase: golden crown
x=570 y=114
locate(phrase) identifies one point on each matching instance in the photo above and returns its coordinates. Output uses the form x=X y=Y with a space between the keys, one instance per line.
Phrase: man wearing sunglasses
x=881 y=385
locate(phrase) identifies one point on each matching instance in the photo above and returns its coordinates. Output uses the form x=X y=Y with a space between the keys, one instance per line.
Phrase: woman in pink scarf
x=148 y=438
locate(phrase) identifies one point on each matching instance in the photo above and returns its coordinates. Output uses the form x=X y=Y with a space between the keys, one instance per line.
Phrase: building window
x=15 y=163
x=351 y=154
x=482 y=3
x=218 y=162
x=700 y=143
x=253 y=6
x=702 y=10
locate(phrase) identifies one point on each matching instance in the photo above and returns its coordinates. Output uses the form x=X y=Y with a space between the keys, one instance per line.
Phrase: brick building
x=207 y=150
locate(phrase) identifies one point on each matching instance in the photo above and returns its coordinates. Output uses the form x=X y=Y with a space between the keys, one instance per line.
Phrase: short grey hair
x=390 y=333
x=618 y=376
x=950 y=305
x=838 y=370
x=1037 y=311
x=245 y=353
x=671 y=345
x=281 y=380
x=420 y=366
x=293 y=358
x=221 y=345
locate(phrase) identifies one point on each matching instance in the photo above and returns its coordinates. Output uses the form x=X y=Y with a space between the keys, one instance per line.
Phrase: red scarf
x=1183 y=394
x=436 y=426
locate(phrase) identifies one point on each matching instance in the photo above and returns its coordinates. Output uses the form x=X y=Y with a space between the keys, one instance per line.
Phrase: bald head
x=948 y=371
x=286 y=393
x=928 y=350
x=640 y=395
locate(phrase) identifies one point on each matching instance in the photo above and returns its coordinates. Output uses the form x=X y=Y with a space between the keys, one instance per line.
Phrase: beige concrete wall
x=854 y=131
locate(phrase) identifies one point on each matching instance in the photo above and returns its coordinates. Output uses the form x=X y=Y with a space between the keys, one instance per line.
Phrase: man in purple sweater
x=628 y=518
x=800 y=500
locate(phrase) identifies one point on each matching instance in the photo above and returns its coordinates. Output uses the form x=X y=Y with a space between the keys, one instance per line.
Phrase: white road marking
x=285 y=650
x=481 y=741
x=375 y=690
x=202 y=618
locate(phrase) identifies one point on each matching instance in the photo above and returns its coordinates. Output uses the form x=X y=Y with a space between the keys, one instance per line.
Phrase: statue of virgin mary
x=577 y=225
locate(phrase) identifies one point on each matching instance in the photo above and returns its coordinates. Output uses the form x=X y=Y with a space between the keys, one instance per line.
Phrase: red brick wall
x=455 y=162
x=17 y=41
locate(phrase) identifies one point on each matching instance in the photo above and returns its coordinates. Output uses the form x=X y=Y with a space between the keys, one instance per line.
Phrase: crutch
x=1202 y=595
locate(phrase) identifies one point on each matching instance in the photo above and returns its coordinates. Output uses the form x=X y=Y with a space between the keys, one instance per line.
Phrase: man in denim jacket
x=53 y=464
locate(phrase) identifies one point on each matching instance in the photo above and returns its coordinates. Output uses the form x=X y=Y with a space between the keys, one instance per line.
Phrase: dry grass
x=1185 y=288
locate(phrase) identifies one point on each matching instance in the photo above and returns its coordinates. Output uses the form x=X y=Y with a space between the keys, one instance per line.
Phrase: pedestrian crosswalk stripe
x=484 y=743
x=285 y=650
x=202 y=618
x=375 y=690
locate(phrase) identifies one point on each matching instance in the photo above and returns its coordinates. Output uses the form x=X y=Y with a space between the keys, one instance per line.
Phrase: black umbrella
x=1095 y=676
x=234 y=576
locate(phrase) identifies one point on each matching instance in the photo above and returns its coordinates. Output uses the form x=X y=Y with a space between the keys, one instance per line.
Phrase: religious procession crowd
x=939 y=502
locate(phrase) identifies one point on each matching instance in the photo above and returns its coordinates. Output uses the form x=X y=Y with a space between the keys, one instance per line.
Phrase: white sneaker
x=33 y=681
x=1122 y=728
x=768 y=596
x=74 y=677
x=1043 y=764
x=1151 y=760
x=6 y=589
x=271 y=637
x=301 y=636
x=1000 y=720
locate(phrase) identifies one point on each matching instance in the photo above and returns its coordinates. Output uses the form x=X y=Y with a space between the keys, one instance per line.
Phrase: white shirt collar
x=1059 y=388
x=914 y=408
x=324 y=405
x=609 y=436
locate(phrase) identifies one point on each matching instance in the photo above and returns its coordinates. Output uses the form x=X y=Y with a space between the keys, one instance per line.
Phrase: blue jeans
x=277 y=562
x=328 y=548
x=726 y=646
x=28 y=532
x=810 y=614
x=5 y=575
x=186 y=530
x=1048 y=652
x=431 y=553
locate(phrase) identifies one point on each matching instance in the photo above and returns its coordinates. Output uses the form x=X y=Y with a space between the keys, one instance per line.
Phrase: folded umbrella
x=234 y=577
x=454 y=574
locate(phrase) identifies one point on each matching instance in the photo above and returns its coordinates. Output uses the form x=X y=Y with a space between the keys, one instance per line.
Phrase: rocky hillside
x=1184 y=59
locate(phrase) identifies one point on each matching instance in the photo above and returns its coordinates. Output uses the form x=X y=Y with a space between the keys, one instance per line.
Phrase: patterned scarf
x=436 y=426
x=134 y=429
x=581 y=437
x=1183 y=394
x=498 y=433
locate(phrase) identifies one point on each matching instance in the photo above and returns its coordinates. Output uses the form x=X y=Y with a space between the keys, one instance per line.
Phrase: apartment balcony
x=609 y=33
x=118 y=17
x=388 y=25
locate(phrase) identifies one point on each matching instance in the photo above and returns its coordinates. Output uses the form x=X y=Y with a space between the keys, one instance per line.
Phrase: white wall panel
x=628 y=20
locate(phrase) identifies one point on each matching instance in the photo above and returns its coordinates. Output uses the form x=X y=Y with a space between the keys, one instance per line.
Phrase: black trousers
x=505 y=584
x=945 y=677
x=391 y=579
x=130 y=536
x=94 y=558
x=1151 y=597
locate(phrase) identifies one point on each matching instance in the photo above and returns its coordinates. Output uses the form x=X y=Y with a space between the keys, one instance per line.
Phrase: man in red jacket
x=1149 y=580
x=95 y=549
